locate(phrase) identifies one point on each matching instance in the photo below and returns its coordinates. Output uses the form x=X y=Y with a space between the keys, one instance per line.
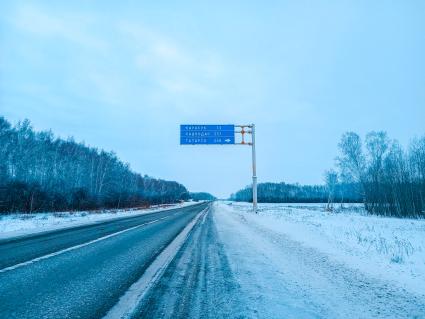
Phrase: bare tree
x=331 y=181
x=392 y=180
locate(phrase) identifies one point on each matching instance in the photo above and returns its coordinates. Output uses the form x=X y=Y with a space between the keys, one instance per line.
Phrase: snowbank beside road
x=388 y=248
x=300 y=262
x=22 y=224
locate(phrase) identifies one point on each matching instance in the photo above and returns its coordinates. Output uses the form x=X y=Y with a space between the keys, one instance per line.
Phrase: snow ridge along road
x=96 y=265
x=131 y=299
x=198 y=283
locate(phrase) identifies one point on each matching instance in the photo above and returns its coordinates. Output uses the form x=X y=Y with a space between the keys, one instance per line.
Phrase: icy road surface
x=198 y=283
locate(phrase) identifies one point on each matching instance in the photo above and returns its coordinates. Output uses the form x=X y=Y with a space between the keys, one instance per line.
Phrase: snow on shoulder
x=302 y=262
x=13 y=225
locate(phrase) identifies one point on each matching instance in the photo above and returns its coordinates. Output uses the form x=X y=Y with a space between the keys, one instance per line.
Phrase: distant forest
x=201 y=196
x=295 y=193
x=39 y=172
x=378 y=172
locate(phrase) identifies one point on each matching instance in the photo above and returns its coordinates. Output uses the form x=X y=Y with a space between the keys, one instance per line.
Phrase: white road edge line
x=75 y=247
x=128 y=303
x=29 y=232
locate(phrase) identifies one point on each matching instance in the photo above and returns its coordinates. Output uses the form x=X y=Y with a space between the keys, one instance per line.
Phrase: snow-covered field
x=302 y=262
x=21 y=224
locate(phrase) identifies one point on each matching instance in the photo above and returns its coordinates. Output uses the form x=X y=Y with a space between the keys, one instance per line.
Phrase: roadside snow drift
x=298 y=261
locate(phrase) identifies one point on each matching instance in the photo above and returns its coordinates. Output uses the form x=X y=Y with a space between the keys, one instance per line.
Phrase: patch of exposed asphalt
x=198 y=283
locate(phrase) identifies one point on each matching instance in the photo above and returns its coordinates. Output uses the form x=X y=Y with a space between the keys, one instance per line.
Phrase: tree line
x=201 y=196
x=378 y=172
x=295 y=193
x=391 y=179
x=39 y=172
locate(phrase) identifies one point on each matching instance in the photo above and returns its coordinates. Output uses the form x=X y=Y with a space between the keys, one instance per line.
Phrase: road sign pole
x=254 y=171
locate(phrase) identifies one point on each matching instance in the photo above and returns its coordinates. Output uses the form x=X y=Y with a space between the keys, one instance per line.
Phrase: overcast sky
x=122 y=75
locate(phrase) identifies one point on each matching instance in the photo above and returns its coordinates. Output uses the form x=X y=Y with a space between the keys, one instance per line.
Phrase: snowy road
x=82 y=272
x=198 y=283
x=232 y=264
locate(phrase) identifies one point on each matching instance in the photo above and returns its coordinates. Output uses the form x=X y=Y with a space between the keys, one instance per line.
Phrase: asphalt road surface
x=198 y=283
x=82 y=272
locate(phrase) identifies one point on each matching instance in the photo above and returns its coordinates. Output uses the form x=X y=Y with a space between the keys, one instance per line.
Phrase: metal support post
x=254 y=171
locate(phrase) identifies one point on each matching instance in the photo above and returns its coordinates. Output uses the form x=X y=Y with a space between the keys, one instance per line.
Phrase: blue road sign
x=209 y=127
x=206 y=140
x=207 y=134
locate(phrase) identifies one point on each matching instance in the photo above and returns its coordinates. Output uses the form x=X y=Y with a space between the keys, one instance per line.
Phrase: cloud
x=70 y=26
x=155 y=59
x=174 y=68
